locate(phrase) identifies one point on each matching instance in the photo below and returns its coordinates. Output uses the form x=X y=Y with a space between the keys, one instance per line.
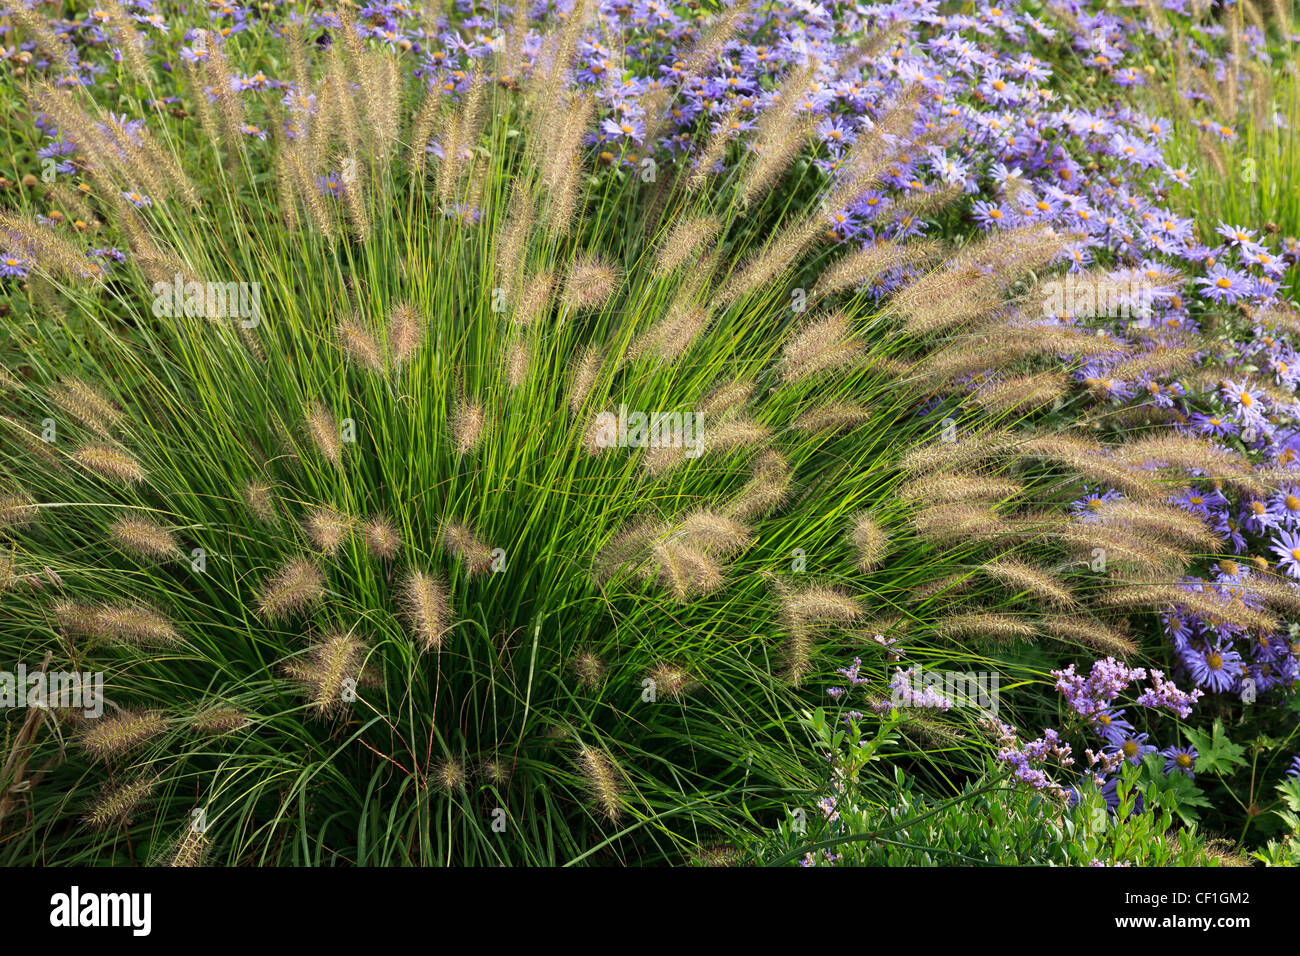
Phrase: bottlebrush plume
x=822 y=345
x=767 y=488
x=16 y=509
x=959 y=454
x=589 y=668
x=191 y=848
x=130 y=623
x=535 y=299
x=113 y=736
x=56 y=255
x=117 y=804
x=495 y=772
x=144 y=537
x=516 y=366
x=404 y=332
x=328 y=528
x=86 y=405
x=461 y=543
x=687 y=570
x=260 y=500
x=760 y=270
x=949 y=487
x=980 y=625
x=657 y=461
x=683 y=240
x=670 y=681
x=449 y=775
x=59 y=49
x=324 y=430
x=818 y=603
x=382 y=538
x=672 y=336
x=963 y=522
x=630 y=545
x=218 y=721
x=112 y=463
x=426 y=603
x=1183 y=452
x=1161 y=360
x=1203 y=603
x=1094 y=462
x=1000 y=344
x=1024 y=577
x=582 y=376
x=1277 y=593
x=295 y=587
x=864 y=265
x=323 y=673
x=869 y=541
x=711 y=155
x=459 y=134
x=512 y=248
x=729 y=435
x=1139 y=554
x=1166 y=522
x=945 y=299
x=726 y=400
x=589 y=283
x=715 y=532
x=831 y=416
x=1093 y=634
x=74 y=618
x=603 y=782
x=468 y=420
x=782 y=132
x=1023 y=393
x=562 y=172
x=359 y=344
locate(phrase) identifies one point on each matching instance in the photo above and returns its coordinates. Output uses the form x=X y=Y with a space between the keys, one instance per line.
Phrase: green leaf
x=1290 y=790
x=1175 y=793
x=1215 y=752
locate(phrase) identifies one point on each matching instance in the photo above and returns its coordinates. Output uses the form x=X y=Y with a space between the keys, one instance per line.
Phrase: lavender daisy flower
x=1180 y=758
x=12 y=267
x=1287 y=547
x=1133 y=748
x=1222 y=284
x=1286 y=505
x=1111 y=726
x=1214 y=668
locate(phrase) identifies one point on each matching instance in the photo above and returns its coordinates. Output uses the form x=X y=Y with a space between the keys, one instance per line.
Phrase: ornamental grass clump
x=431 y=451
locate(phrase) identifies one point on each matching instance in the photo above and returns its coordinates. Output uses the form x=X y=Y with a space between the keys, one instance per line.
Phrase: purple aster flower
x=1215 y=668
x=1287 y=547
x=1111 y=726
x=1180 y=758
x=1286 y=505
x=1133 y=748
x=1222 y=284
x=12 y=267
